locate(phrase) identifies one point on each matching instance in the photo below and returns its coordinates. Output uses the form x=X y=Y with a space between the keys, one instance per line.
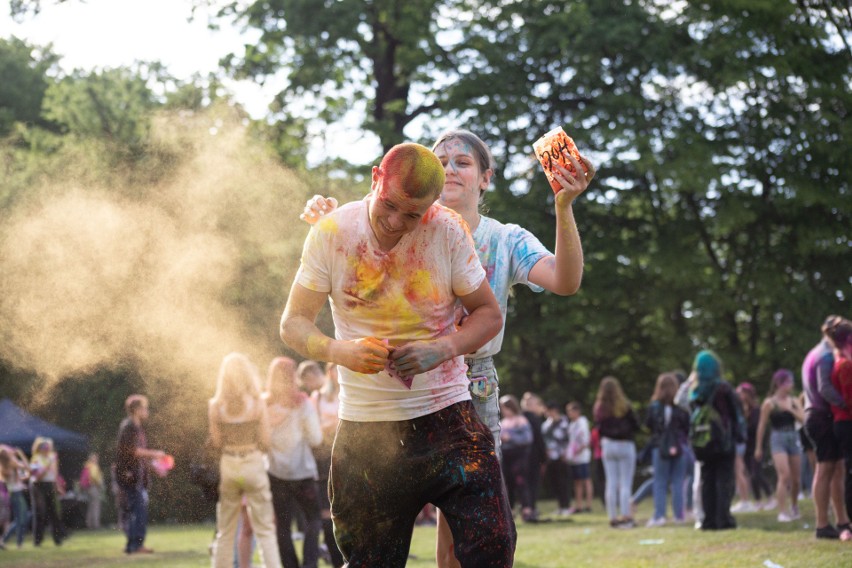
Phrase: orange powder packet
x=548 y=149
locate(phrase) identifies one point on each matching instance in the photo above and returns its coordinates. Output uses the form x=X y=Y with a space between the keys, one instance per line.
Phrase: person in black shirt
x=132 y=459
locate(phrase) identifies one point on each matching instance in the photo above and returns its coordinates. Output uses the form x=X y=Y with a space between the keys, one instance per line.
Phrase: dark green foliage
x=23 y=83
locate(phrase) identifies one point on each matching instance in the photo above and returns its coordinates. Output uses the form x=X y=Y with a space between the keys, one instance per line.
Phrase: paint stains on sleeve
x=328 y=225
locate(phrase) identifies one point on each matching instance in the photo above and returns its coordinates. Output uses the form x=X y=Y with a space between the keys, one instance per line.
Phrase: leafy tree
x=113 y=105
x=340 y=54
x=708 y=214
x=719 y=129
x=709 y=225
x=23 y=82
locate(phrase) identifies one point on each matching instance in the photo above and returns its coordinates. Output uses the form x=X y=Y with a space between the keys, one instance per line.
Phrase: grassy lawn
x=586 y=540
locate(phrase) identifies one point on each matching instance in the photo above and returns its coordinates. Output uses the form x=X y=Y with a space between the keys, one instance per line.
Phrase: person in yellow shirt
x=44 y=472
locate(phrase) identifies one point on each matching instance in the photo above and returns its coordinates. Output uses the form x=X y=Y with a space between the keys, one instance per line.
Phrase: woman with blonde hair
x=239 y=425
x=618 y=425
x=44 y=473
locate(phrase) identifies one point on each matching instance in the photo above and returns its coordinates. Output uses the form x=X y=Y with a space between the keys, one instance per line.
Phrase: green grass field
x=586 y=540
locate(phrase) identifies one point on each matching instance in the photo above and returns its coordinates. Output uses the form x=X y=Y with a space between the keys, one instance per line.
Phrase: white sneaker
x=794 y=513
x=739 y=507
x=656 y=522
x=769 y=505
x=785 y=518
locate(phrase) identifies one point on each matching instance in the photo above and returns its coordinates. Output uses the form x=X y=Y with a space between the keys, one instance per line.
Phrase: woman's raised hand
x=316 y=207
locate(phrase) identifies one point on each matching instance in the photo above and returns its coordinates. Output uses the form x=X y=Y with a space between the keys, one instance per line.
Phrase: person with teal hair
x=708 y=371
x=717 y=470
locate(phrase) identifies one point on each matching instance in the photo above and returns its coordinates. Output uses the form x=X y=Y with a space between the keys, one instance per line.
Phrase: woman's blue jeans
x=668 y=472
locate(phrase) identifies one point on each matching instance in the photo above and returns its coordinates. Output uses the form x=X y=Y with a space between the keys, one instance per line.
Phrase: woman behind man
x=669 y=426
x=618 y=425
x=781 y=410
x=239 y=425
x=292 y=467
x=510 y=254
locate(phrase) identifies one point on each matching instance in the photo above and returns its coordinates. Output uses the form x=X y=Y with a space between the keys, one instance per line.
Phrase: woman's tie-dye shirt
x=507 y=253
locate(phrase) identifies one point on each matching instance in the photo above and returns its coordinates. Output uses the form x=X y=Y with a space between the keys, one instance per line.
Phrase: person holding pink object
x=132 y=462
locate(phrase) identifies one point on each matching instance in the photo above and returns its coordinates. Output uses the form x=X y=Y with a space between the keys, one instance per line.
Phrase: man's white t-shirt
x=405 y=294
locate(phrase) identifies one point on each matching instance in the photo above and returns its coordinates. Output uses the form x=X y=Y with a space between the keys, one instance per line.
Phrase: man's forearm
x=480 y=326
x=304 y=337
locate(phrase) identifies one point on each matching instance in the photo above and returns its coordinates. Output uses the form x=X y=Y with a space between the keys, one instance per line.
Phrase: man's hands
x=316 y=207
x=369 y=355
x=366 y=355
x=419 y=356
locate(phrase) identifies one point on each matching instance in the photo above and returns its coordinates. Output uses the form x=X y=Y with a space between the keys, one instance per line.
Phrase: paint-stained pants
x=383 y=473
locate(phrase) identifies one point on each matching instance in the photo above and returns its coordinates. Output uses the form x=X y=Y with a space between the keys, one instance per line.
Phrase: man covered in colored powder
x=393 y=266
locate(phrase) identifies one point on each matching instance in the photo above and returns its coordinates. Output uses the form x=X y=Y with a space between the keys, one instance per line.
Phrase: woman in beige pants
x=240 y=427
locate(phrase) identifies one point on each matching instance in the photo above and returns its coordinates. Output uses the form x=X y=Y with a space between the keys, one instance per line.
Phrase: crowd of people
x=31 y=492
x=557 y=446
x=779 y=437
